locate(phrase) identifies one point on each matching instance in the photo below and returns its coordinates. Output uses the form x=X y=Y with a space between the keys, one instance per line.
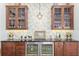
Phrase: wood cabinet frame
x=8 y=45
x=67 y=49
x=58 y=48
x=62 y=17
x=16 y=48
x=19 y=48
x=70 y=48
x=16 y=17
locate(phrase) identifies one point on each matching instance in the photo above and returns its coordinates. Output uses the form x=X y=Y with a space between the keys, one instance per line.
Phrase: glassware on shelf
x=67 y=12
x=21 y=12
x=57 y=25
x=62 y=17
x=12 y=23
x=17 y=17
x=21 y=23
x=57 y=21
x=12 y=16
x=12 y=12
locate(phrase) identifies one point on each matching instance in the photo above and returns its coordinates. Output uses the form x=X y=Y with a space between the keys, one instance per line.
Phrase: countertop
x=39 y=41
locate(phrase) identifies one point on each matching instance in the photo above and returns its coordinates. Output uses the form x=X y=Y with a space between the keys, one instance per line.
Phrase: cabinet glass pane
x=67 y=13
x=47 y=49
x=21 y=13
x=57 y=21
x=12 y=12
x=21 y=16
x=21 y=23
x=16 y=17
x=12 y=17
x=12 y=23
x=32 y=49
x=57 y=11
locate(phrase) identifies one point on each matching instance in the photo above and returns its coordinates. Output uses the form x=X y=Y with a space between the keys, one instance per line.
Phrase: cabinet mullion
x=53 y=18
x=62 y=17
x=72 y=17
x=16 y=17
x=26 y=18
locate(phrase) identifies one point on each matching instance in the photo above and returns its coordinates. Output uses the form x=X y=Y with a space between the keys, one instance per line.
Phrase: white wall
x=35 y=24
x=76 y=22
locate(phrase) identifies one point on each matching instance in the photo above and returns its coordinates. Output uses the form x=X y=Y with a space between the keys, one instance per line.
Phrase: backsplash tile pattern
x=34 y=24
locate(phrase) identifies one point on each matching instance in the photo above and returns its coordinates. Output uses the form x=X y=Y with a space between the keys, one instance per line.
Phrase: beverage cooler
x=39 y=48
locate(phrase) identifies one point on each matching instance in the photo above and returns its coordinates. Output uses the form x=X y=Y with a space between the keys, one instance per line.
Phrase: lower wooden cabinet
x=58 y=48
x=78 y=48
x=66 y=48
x=8 y=49
x=19 y=48
x=13 y=48
x=70 y=48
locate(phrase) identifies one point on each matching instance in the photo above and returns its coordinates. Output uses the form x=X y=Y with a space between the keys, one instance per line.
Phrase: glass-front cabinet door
x=68 y=18
x=11 y=17
x=17 y=17
x=62 y=17
x=46 y=49
x=57 y=22
x=32 y=49
x=40 y=49
x=22 y=17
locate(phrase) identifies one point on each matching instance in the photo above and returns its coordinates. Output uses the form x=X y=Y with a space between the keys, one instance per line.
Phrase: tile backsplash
x=35 y=24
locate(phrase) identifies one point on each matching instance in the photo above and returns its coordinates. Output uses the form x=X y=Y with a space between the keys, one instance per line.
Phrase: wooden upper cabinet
x=17 y=17
x=70 y=49
x=62 y=17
